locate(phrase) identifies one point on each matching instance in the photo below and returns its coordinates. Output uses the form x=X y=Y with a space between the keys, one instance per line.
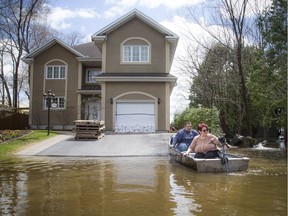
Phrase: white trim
x=136 y=38
x=103 y=103
x=56 y=60
x=135 y=92
x=79 y=84
x=28 y=58
x=139 y=79
x=88 y=91
x=87 y=59
x=104 y=59
x=123 y=19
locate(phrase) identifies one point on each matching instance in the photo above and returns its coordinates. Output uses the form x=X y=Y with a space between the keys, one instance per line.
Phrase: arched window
x=136 y=50
x=55 y=69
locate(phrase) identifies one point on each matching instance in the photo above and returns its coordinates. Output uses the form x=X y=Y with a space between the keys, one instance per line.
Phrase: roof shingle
x=88 y=50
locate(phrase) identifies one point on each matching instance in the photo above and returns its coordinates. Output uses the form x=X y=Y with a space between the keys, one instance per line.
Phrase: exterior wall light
x=111 y=100
x=159 y=101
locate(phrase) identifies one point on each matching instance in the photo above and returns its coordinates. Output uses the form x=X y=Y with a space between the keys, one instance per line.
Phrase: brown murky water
x=141 y=186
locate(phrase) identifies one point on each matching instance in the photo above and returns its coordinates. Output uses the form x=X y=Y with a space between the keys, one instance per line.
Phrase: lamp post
x=48 y=96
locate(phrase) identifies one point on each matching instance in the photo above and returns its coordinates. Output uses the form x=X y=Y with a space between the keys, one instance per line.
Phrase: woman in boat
x=205 y=145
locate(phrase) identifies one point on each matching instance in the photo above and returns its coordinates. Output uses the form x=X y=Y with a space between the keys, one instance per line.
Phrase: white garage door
x=135 y=117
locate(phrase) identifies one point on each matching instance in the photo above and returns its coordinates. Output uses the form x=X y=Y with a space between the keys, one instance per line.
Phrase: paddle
x=224 y=158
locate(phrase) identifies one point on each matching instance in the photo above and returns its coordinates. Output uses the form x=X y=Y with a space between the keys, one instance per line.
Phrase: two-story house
x=122 y=77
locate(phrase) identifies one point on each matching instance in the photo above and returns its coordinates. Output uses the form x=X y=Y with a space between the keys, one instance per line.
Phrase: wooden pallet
x=89 y=129
x=89 y=136
x=89 y=122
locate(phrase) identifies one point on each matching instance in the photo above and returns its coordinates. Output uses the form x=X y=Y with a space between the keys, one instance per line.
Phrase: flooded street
x=38 y=185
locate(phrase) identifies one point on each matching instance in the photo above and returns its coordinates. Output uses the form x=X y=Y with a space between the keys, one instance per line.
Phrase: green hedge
x=199 y=115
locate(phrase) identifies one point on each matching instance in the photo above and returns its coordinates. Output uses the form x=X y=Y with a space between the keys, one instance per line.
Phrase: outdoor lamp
x=49 y=97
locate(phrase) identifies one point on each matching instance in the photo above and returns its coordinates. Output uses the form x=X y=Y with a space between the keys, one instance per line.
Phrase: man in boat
x=205 y=145
x=184 y=137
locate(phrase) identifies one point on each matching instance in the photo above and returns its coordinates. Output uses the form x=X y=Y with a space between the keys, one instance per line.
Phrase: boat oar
x=224 y=158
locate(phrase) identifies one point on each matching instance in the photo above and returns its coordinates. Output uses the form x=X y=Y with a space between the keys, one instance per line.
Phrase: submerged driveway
x=110 y=145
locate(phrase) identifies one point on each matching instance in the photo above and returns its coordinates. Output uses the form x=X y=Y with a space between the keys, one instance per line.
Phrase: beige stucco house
x=122 y=77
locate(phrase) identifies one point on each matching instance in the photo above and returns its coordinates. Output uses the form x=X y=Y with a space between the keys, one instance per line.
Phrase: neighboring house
x=121 y=77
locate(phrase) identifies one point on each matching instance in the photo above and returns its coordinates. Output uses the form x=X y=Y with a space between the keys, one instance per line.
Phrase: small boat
x=229 y=163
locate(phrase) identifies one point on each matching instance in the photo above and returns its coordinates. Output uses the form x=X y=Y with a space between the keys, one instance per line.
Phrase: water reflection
x=262 y=190
x=64 y=186
x=140 y=186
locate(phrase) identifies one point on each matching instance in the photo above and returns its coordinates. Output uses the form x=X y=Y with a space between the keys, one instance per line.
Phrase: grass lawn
x=16 y=144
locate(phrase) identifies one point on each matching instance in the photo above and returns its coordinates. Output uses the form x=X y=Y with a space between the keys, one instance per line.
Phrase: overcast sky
x=89 y=16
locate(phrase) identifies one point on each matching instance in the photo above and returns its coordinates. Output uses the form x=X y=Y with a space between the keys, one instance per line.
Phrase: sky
x=89 y=16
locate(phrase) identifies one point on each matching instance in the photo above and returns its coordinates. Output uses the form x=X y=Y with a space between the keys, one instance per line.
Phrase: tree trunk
x=238 y=28
x=5 y=87
x=245 y=95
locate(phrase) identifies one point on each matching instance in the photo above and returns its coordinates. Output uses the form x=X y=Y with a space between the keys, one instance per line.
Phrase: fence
x=17 y=121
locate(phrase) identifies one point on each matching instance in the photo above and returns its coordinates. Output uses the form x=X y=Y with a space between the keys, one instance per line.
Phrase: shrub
x=199 y=115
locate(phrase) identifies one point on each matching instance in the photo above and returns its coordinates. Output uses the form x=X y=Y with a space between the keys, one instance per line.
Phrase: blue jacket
x=184 y=136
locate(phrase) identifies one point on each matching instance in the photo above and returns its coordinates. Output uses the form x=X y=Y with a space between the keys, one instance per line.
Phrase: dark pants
x=209 y=154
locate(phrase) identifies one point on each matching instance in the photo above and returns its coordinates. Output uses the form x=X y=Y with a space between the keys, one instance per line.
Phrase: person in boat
x=205 y=145
x=184 y=137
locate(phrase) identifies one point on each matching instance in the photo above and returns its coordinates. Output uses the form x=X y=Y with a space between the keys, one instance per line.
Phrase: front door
x=92 y=110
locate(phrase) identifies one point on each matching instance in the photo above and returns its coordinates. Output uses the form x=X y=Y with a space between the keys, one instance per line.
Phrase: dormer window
x=136 y=50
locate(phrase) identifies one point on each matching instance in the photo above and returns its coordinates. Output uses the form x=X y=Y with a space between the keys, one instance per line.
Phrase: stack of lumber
x=89 y=129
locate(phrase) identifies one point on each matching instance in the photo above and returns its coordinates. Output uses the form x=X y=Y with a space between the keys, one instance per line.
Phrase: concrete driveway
x=110 y=145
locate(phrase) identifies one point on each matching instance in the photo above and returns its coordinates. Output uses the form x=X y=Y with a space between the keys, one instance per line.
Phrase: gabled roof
x=129 y=16
x=28 y=58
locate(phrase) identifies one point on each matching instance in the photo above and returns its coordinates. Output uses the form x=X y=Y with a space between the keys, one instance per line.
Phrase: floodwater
x=129 y=186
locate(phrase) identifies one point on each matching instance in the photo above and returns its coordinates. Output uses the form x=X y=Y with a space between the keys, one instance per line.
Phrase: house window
x=90 y=74
x=59 y=101
x=135 y=53
x=55 y=72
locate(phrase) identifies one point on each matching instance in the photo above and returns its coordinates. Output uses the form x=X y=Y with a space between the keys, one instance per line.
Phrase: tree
x=23 y=27
x=231 y=26
x=5 y=93
x=217 y=85
x=16 y=18
x=271 y=67
x=237 y=22
x=72 y=38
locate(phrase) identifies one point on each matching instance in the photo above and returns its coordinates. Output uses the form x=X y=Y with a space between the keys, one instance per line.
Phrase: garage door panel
x=135 y=118
x=134 y=108
x=135 y=124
